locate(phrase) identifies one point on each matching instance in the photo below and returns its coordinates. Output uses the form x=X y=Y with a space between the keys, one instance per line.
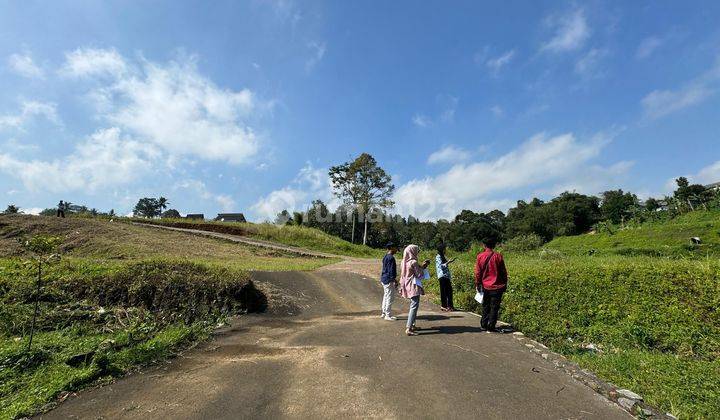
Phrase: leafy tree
x=691 y=193
x=150 y=207
x=469 y=227
x=652 y=204
x=11 y=209
x=170 y=214
x=363 y=184
x=297 y=218
x=283 y=218
x=617 y=206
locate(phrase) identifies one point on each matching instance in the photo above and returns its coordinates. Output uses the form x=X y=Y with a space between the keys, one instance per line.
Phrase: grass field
x=654 y=319
x=669 y=238
x=297 y=236
x=121 y=297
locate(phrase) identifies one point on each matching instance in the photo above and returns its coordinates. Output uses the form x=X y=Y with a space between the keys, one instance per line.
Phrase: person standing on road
x=411 y=274
x=444 y=278
x=490 y=278
x=60 y=209
x=388 y=279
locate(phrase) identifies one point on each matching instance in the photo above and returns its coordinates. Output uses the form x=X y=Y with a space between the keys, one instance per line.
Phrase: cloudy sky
x=242 y=106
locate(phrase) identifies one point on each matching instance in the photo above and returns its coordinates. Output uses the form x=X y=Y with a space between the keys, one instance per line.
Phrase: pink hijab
x=409 y=270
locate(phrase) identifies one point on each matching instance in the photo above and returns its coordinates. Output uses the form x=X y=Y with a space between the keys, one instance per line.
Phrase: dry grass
x=102 y=239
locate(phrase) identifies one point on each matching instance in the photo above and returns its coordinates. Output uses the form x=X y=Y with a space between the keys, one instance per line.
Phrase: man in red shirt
x=491 y=278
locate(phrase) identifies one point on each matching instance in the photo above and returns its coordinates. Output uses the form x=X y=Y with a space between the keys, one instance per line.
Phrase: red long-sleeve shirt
x=494 y=276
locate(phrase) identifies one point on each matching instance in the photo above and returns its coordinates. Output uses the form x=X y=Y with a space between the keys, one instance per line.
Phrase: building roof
x=230 y=217
x=713 y=185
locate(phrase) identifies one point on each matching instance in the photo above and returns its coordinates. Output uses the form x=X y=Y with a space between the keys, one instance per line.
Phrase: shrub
x=521 y=243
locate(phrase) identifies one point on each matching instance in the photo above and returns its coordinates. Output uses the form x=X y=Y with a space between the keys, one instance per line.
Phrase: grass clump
x=98 y=321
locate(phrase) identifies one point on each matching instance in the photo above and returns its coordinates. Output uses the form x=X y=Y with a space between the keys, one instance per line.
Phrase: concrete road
x=323 y=352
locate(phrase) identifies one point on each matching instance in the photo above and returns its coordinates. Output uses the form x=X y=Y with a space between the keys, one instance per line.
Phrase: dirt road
x=323 y=352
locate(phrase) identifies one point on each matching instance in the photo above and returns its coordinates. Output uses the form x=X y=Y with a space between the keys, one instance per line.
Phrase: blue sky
x=242 y=106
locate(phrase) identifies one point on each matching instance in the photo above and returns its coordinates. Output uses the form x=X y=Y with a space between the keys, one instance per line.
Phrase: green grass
x=127 y=295
x=122 y=314
x=655 y=319
x=652 y=238
x=296 y=236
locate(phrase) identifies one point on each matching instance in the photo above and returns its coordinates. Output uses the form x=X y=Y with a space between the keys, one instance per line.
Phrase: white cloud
x=199 y=189
x=448 y=154
x=421 y=120
x=648 y=46
x=660 y=103
x=31 y=210
x=317 y=51
x=310 y=183
x=93 y=62
x=171 y=106
x=183 y=112
x=497 y=111
x=103 y=160
x=447 y=105
x=540 y=162
x=30 y=110
x=588 y=66
x=24 y=65
x=496 y=64
x=709 y=174
x=571 y=32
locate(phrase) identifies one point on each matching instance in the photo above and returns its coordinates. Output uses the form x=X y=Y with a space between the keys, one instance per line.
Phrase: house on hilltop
x=230 y=217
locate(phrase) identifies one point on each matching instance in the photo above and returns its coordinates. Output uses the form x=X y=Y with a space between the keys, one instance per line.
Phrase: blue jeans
x=412 y=314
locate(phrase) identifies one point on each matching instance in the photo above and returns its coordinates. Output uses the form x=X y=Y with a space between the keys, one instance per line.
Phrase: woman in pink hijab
x=410 y=270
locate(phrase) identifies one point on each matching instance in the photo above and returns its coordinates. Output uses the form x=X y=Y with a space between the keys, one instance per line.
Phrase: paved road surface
x=325 y=353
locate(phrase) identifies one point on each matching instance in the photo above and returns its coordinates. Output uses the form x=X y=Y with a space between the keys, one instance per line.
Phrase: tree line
x=365 y=190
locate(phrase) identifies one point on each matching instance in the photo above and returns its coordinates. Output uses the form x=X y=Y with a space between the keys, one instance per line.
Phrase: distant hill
x=670 y=237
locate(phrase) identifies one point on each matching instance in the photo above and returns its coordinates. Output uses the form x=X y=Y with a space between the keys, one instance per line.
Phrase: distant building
x=230 y=217
x=198 y=216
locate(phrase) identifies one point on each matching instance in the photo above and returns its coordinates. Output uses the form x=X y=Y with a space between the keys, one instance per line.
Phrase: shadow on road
x=450 y=329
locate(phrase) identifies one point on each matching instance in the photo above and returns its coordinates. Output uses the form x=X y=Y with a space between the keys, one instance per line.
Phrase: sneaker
x=390 y=318
x=382 y=315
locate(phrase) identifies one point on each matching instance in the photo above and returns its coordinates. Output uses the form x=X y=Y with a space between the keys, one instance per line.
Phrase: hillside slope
x=652 y=238
x=297 y=236
x=121 y=296
x=101 y=239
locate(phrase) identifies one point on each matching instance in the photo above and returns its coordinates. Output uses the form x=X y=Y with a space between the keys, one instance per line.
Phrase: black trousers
x=446 y=298
x=491 y=308
x=61 y=213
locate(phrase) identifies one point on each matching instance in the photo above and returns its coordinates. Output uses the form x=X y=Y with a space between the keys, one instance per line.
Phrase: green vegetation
x=122 y=296
x=296 y=236
x=662 y=237
x=653 y=319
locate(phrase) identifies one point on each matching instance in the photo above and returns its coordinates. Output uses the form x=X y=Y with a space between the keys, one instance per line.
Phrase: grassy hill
x=122 y=296
x=645 y=299
x=652 y=238
x=298 y=236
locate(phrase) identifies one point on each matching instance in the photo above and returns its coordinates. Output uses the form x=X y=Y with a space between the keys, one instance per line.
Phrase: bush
x=521 y=243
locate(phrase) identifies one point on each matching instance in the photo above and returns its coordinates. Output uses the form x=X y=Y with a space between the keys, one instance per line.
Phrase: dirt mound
x=208 y=227
x=75 y=232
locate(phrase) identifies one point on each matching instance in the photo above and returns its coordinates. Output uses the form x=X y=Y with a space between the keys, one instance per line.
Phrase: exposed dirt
x=117 y=240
